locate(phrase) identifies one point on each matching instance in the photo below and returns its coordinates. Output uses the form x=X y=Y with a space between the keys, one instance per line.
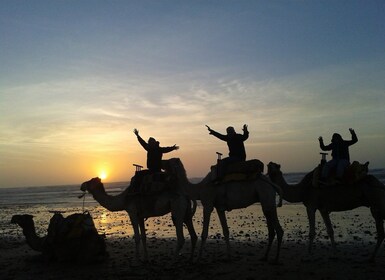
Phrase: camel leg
x=205 y=230
x=190 y=227
x=329 y=228
x=135 y=227
x=143 y=237
x=311 y=218
x=225 y=229
x=273 y=227
x=279 y=232
x=380 y=234
x=178 y=223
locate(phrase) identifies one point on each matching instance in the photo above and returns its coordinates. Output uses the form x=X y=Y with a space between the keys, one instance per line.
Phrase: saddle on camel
x=352 y=174
x=150 y=183
x=243 y=173
x=152 y=180
x=236 y=171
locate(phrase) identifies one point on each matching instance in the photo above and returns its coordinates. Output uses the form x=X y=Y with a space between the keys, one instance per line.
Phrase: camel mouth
x=84 y=187
x=14 y=220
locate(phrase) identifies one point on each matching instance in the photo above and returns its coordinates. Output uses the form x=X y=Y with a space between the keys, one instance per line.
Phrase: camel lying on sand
x=73 y=238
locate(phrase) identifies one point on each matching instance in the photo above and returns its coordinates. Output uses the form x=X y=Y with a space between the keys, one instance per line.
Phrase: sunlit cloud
x=74 y=87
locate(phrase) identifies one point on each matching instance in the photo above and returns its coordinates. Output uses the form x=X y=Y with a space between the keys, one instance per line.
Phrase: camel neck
x=111 y=203
x=191 y=189
x=30 y=232
x=33 y=240
x=292 y=192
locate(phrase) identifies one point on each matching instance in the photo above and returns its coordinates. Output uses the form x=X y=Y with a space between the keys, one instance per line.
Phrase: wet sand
x=354 y=231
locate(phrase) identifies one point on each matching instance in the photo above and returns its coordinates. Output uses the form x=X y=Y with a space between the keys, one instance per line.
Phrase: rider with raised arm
x=154 y=158
x=235 y=144
x=340 y=154
x=154 y=152
x=234 y=141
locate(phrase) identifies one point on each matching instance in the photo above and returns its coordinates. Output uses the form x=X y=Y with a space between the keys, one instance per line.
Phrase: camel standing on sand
x=82 y=246
x=139 y=207
x=228 y=196
x=369 y=192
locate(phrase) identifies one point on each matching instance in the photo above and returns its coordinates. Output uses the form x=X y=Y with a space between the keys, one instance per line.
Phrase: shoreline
x=355 y=235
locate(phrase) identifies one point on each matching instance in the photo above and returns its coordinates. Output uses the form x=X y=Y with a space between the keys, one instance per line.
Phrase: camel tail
x=276 y=187
x=194 y=207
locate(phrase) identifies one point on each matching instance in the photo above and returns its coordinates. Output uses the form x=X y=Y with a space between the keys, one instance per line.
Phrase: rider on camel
x=237 y=152
x=154 y=157
x=340 y=154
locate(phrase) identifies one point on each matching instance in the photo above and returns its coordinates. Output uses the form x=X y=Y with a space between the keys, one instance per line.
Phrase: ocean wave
x=68 y=194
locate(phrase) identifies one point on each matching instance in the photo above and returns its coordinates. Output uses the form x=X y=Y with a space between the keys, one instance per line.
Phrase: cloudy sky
x=77 y=77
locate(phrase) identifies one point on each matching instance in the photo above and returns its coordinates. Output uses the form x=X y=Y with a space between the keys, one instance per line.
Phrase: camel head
x=173 y=165
x=24 y=221
x=274 y=170
x=175 y=168
x=92 y=185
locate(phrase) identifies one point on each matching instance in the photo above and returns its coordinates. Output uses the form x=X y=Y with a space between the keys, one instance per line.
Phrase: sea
x=68 y=195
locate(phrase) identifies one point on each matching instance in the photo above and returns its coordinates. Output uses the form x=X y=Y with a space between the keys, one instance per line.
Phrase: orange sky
x=75 y=81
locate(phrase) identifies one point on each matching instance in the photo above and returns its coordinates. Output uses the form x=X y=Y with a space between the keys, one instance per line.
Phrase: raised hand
x=209 y=128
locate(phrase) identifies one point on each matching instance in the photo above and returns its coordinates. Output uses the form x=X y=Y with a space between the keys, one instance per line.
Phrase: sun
x=103 y=175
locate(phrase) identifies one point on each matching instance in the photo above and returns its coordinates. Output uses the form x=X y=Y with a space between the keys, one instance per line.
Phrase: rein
x=83 y=195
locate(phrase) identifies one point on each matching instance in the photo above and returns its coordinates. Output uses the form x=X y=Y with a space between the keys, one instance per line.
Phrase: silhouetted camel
x=369 y=192
x=68 y=239
x=139 y=207
x=236 y=195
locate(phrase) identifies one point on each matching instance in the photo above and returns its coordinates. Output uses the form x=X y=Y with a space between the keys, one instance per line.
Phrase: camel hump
x=74 y=226
x=356 y=171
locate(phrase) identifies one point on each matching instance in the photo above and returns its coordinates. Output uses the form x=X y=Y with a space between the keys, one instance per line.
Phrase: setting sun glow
x=103 y=175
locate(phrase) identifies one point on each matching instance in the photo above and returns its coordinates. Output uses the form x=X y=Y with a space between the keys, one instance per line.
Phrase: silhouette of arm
x=140 y=139
x=169 y=149
x=245 y=133
x=218 y=135
x=354 y=137
x=322 y=146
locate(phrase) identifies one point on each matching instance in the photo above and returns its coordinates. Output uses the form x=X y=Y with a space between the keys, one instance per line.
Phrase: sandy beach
x=354 y=231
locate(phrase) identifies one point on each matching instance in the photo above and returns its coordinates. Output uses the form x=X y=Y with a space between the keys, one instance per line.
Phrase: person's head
x=336 y=138
x=230 y=130
x=152 y=142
